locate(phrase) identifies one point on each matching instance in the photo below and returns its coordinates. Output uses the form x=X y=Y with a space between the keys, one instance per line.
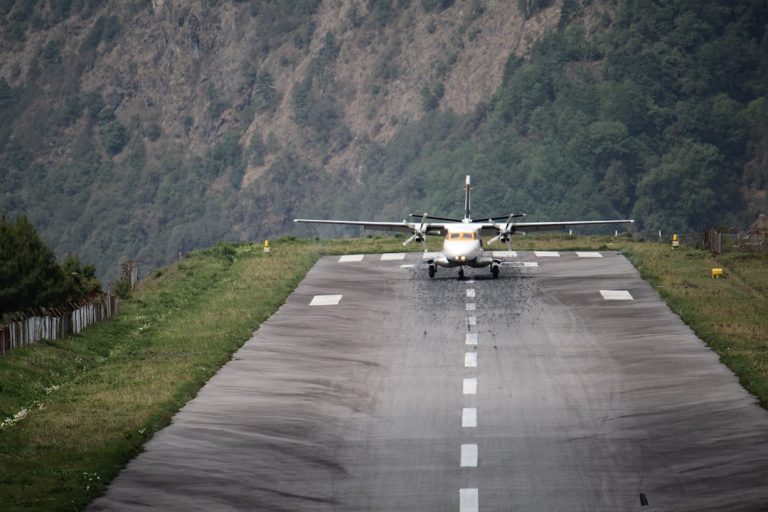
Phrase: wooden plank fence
x=20 y=329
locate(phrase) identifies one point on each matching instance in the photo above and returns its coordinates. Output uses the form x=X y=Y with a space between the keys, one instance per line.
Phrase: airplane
x=463 y=244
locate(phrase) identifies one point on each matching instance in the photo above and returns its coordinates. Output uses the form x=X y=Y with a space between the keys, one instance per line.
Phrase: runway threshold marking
x=469 y=500
x=470 y=339
x=407 y=266
x=325 y=300
x=504 y=254
x=471 y=306
x=469 y=456
x=470 y=360
x=589 y=255
x=468 y=417
x=470 y=386
x=470 y=293
x=350 y=257
x=616 y=295
x=547 y=254
x=393 y=256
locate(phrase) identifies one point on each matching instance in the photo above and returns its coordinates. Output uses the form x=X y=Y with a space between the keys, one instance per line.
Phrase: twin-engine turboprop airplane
x=463 y=245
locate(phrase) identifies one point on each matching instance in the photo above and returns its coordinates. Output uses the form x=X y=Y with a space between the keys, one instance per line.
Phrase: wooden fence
x=20 y=329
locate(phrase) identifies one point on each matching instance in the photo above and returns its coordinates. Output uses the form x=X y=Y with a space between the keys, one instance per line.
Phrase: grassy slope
x=122 y=380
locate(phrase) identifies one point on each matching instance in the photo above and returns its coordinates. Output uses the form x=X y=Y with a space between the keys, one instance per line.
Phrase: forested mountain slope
x=136 y=129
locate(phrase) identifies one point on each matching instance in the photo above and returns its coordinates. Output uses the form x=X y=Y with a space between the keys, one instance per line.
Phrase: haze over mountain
x=138 y=130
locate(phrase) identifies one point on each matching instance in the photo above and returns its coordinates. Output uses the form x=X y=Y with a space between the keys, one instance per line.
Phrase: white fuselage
x=463 y=246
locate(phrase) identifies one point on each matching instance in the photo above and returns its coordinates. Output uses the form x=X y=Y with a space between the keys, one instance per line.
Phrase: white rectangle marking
x=325 y=300
x=505 y=254
x=407 y=266
x=469 y=455
x=469 y=500
x=470 y=360
x=471 y=293
x=471 y=306
x=393 y=256
x=470 y=386
x=616 y=295
x=430 y=255
x=472 y=320
x=351 y=257
x=471 y=339
x=471 y=281
x=547 y=254
x=589 y=255
x=468 y=417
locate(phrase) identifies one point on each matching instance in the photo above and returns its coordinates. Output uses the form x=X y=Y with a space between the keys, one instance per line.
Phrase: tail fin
x=467 y=189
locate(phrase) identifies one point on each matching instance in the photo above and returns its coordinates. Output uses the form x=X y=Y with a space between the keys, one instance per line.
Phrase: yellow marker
x=266 y=246
x=675 y=241
x=717 y=272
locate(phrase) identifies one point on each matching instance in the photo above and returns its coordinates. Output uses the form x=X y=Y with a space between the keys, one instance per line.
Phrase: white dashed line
x=472 y=321
x=351 y=257
x=504 y=254
x=393 y=256
x=470 y=360
x=471 y=339
x=589 y=255
x=471 y=306
x=325 y=300
x=470 y=386
x=547 y=254
x=407 y=266
x=468 y=417
x=430 y=255
x=471 y=281
x=468 y=500
x=469 y=456
x=471 y=293
x=616 y=295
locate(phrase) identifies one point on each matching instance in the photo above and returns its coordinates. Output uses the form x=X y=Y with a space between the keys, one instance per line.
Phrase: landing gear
x=495 y=271
x=432 y=270
x=461 y=272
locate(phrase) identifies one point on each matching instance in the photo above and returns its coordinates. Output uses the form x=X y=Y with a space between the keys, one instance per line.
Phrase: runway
x=565 y=384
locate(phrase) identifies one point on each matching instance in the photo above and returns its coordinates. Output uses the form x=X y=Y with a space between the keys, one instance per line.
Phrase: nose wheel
x=461 y=272
x=495 y=271
x=432 y=270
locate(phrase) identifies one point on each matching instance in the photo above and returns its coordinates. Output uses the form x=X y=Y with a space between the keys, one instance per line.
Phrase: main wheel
x=495 y=271
x=432 y=271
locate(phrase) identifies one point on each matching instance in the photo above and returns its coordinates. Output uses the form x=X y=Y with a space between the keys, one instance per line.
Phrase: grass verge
x=85 y=405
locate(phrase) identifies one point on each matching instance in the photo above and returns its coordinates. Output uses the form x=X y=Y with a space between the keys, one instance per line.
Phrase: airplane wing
x=490 y=228
x=430 y=228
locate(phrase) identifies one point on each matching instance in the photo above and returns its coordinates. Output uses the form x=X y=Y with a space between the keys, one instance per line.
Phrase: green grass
x=94 y=399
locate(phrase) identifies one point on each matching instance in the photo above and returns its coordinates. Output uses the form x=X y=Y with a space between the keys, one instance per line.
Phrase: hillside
x=138 y=130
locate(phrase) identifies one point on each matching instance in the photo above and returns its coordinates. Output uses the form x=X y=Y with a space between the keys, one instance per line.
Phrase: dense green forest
x=654 y=110
x=30 y=276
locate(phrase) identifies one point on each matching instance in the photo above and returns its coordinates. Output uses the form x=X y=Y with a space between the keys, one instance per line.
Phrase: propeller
x=419 y=233
x=505 y=233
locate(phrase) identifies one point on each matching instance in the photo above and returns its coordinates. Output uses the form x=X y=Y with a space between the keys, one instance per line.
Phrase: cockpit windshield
x=464 y=235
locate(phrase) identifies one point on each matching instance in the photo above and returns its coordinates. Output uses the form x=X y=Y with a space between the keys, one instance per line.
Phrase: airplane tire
x=495 y=271
x=461 y=273
x=432 y=271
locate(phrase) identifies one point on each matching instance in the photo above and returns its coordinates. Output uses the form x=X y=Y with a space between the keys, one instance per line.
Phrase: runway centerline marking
x=325 y=300
x=471 y=306
x=468 y=500
x=468 y=417
x=616 y=295
x=351 y=257
x=547 y=254
x=470 y=360
x=407 y=266
x=470 y=386
x=471 y=320
x=589 y=255
x=470 y=339
x=469 y=456
x=470 y=293
x=393 y=256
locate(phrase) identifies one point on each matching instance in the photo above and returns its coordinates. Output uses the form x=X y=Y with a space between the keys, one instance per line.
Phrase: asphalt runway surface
x=566 y=384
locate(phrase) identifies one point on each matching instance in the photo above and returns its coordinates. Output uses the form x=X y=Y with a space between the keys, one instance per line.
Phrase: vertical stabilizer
x=467 y=189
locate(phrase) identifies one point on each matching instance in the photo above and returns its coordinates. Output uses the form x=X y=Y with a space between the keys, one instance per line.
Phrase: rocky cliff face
x=147 y=92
